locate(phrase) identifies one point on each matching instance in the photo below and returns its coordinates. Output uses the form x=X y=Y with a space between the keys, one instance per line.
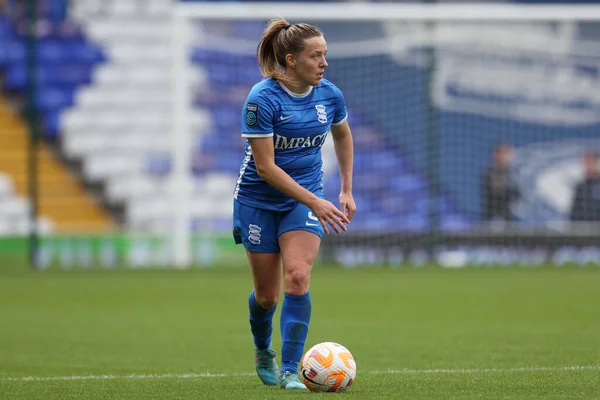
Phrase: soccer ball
x=328 y=367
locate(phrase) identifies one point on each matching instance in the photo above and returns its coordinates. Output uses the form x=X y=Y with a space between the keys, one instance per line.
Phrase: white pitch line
x=487 y=370
x=123 y=377
x=243 y=374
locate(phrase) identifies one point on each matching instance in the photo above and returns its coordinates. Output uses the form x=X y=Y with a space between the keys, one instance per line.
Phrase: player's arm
x=344 y=152
x=263 y=152
x=264 y=158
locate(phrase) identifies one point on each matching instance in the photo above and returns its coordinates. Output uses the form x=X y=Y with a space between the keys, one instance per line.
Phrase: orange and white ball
x=328 y=367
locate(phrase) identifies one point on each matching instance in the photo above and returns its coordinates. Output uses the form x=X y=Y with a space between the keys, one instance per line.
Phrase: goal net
x=470 y=122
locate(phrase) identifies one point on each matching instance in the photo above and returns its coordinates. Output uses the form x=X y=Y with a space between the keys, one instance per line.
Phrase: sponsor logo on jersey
x=282 y=142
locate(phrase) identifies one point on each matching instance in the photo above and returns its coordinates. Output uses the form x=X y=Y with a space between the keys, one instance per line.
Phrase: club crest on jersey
x=251 y=111
x=321 y=113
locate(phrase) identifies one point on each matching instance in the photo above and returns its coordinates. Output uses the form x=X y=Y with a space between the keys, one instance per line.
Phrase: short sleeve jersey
x=298 y=126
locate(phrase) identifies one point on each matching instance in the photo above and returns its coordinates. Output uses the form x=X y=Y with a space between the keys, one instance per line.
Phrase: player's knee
x=297 y=281
x=266 y=300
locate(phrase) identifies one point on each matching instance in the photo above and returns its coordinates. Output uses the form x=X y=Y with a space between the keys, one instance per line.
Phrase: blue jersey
x=299 y=125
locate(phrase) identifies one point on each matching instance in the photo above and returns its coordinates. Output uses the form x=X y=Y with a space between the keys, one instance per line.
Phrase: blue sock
x=261 y=322
x=295 y=318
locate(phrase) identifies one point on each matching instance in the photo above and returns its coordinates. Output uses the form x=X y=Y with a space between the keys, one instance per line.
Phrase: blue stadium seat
x=65 y=59
x=444 y=206
x=248 y=29
x=51 y=121
x=12 y=50
x=5 y=31
x=221 y=95
x=208 y=57
x=219 y=143
x=384 y=160
x=4 y=51
x=455 y=223
x=407 y=183
x=232 y=75
x=52 y=98
x=158 y=165
x=67 y=76
x=226 y=118
x=228 y=161
x=413 y=223
x=84 y=52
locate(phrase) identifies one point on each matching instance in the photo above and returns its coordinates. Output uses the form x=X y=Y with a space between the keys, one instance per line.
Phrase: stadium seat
x=6 y=186
x=406 y=183
x=380 y=160
x=455 y=223
x=107 y=31
x=141 y=212
x=82 y=145
x=65 y=60
x=218 y=184
x=101 y=166
x=14 y=208
x=133 y=187
x=54 y=98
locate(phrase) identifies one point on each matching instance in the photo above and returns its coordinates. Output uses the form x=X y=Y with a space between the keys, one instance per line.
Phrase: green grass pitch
x=416 y=333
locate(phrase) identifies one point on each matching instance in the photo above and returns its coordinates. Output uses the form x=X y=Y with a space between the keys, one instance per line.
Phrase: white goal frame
x=182 y=13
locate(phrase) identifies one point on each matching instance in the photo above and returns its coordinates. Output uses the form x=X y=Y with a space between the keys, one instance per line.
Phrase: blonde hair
x=280 y=39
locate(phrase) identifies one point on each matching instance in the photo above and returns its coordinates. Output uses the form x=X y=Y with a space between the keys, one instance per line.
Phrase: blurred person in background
x=586 y=202
x=499 y=191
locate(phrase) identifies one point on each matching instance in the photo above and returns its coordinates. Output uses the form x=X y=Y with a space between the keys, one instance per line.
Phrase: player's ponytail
x=268 y=49
x=280 y=39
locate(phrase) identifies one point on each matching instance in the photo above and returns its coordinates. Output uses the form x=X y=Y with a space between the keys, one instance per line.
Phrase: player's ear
x=291 y=60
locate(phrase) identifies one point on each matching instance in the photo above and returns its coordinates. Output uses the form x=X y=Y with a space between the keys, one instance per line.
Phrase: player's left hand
x=347 y=204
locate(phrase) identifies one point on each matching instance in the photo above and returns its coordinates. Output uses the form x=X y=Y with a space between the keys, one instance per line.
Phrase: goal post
x=432 y=90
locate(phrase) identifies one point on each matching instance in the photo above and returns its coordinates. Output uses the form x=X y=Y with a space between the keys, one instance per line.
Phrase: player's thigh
x=298 y=252
x=299 y=241
x=266 y=274
x=257 y=230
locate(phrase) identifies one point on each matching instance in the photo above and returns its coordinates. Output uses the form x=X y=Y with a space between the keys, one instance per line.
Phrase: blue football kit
x=298 y=125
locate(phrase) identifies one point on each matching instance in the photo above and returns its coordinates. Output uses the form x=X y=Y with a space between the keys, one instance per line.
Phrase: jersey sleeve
x=341 y=113
x=257 y=117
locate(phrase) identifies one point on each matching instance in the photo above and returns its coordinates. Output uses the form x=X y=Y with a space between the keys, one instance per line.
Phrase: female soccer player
x=279 y=210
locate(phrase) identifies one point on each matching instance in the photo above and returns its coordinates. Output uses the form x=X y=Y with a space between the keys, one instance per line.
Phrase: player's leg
x=257 y=230
x=262 y=303
x=299 y=247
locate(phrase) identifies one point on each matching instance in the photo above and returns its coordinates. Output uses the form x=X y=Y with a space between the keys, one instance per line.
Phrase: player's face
x=311 y=63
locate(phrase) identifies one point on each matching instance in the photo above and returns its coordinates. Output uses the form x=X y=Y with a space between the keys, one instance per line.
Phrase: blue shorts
x=259 y=229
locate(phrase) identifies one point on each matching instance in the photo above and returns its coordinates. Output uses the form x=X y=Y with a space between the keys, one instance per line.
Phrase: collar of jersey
x=296 y=95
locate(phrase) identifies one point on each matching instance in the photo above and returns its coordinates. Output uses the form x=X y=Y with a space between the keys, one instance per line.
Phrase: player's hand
x=327 y=213
x=347 y=204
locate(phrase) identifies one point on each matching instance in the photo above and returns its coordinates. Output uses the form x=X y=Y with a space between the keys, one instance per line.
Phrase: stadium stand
x=106 y=93
x=117 y=126
x=120 y=126
x=66 y=60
